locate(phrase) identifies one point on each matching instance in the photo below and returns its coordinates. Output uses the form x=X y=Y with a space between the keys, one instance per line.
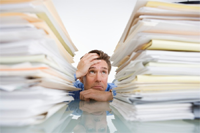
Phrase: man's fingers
x=83 y=94
x=88 y=55
x=87 y=99
x=95 y=62
x=87 y=60
x=88 y=94
x=81 y=97
x=91 y=56
x=84 y=97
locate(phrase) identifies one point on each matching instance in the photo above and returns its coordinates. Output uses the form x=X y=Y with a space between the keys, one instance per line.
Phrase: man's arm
x=99 y=95
x=102 y=96
x=85 y=63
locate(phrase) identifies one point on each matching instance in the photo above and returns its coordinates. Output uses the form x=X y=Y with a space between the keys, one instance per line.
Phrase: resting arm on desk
x=92 y=93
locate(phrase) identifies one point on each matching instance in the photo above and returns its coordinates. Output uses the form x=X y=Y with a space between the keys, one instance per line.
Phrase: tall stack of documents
x=172 y=126
x=36 y=53
x=56 y=123
x=158 y=60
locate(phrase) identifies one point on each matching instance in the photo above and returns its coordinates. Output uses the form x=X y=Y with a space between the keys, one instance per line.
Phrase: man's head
x=103 y=56
x=97 y=75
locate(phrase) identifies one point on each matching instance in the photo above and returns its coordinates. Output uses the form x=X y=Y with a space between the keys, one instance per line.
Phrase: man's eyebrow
x=104 y=68
x=92 y=67
x=101 y=67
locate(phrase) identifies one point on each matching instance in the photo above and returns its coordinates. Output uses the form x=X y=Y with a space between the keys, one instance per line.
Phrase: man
x=92 y=72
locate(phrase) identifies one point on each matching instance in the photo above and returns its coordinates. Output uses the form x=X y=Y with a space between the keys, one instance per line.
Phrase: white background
x=95 y=24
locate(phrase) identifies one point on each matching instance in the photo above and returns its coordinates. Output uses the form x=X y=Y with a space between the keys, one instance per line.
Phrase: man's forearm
x=78 y=74
x=103 y=96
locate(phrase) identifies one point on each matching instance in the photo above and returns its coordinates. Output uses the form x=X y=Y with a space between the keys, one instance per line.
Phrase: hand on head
x=88 y=60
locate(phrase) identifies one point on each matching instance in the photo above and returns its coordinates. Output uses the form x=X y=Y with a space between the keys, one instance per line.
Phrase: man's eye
x=104 y=72
x=91 y=72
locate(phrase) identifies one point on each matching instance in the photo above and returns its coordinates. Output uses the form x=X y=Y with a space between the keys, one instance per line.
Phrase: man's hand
x=101 y=96
x=85 y=63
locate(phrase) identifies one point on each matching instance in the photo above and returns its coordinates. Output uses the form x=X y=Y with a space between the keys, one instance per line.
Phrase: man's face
x=97 y=77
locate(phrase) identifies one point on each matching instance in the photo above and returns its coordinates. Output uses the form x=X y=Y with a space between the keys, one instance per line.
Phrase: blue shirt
x=78 y=84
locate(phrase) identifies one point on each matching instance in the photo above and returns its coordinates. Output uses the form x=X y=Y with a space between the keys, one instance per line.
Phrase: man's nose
x=98 y=77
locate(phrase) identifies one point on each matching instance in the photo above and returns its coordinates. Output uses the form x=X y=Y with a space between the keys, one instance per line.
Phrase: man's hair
x=103 y=56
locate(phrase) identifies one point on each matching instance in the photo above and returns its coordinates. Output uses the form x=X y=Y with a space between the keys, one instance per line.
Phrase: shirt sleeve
x=77 y=84
x=112 y=86
x=75 y=77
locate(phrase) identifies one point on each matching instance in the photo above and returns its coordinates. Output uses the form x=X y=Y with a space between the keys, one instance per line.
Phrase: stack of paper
x=56 y=122
x=173 y=126
x=36 y=53
x=154 y=111
x=158 y=58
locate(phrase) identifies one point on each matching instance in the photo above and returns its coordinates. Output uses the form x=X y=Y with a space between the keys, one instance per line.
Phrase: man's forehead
x=101 y=65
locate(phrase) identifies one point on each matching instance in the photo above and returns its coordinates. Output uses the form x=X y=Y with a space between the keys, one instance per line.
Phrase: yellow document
x=13 y=1
x=167 y=78
x=64 y=53
x=165 y=5
x=183 y=87
x=156 y=64
x=171 y=45
x=52 y=10
x=44 y=17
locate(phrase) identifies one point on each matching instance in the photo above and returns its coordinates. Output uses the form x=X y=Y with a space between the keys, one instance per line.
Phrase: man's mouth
x=97 y=87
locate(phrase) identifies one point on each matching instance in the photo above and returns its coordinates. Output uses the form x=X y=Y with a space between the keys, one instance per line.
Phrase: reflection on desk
x=173 y=126
x=100 y=117
x=92 y=116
